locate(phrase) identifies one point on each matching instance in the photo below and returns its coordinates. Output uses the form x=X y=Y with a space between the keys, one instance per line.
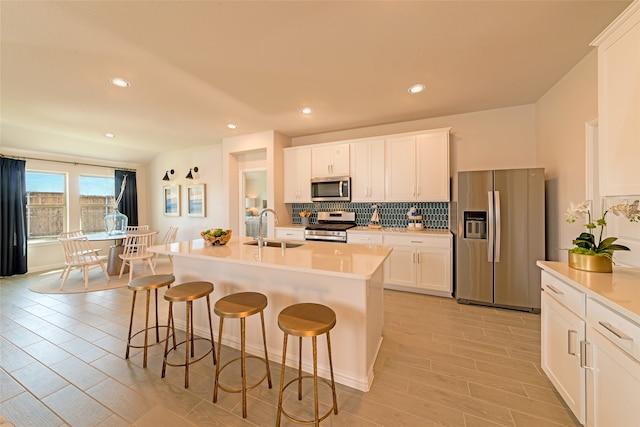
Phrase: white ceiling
x=196 y=66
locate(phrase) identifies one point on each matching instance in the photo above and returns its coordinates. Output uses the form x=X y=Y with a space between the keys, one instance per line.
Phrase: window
x=96 y=200
x=46 y=204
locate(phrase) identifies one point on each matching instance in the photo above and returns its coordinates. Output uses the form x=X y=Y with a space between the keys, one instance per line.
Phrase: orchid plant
x=585 y=243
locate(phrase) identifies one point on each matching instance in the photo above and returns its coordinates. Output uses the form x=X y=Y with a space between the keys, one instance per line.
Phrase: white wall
x=209 y=162
x=561 y=117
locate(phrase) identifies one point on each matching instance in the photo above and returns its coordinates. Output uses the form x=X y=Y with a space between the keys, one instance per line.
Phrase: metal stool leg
x=133 y=306
x=333 y=383
x=146 y=330
x=284 y=363
x=213 y=345
x=300 y=369
x=264 y=342
x=166 y=344
x=189 y=337
x=243 y=367
x=216 y=381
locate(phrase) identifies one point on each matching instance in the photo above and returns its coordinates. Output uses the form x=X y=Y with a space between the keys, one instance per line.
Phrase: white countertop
x=336 y=259
x=620 y=288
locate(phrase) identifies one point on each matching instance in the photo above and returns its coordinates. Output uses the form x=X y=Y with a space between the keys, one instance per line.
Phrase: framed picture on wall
x=171 y=199
x=196 y=200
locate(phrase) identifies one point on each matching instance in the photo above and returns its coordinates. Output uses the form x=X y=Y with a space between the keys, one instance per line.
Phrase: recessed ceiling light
x=120 y=82
x=306 y=110
x=232 y=126
x=417 y=88
x=109 y=135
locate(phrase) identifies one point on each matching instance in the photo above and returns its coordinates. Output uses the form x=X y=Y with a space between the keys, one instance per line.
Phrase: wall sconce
x=166 y=176
x=191 y=173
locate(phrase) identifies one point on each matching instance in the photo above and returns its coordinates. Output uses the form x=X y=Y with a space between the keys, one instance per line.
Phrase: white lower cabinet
x=562 y=333
x=590 y=352
x=419 y=264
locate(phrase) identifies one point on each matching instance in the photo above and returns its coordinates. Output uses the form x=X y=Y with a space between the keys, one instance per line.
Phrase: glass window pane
x=96 y=200
x=46 y=204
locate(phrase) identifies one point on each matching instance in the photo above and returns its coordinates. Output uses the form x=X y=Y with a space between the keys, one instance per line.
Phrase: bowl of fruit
x=216 y=236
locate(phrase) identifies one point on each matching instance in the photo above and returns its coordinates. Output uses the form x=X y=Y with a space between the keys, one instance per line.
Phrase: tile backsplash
x=435 y=215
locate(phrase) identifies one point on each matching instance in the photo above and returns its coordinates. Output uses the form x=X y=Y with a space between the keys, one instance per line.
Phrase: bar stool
x=306 y=320
x=148 y=284
x=188 y=292
x=240 y=306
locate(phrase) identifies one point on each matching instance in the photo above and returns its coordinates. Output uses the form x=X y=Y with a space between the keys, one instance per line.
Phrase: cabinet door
x=400 y=183
x=619 y=108
x=297 y=186
x=367 y=171
x=562 y=332
x=434 y=270
x=432 y=169
x=284 y=233
x=613 y=384
x=400 y=267
x=332 y=160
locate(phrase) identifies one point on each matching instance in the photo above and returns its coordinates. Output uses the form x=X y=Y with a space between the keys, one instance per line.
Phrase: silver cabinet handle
x=615 y=331
x=570 y=342
x=416 y=241
x=583 y=355
x=555 y=290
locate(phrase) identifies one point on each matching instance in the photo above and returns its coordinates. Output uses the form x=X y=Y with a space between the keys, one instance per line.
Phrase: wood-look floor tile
x=474 y=376
x=12 y=357
x=81 y=374
x=39 y=380
x=46 y=352
x=461 y=345
x=160 y=416
x=545 y=411
x=397 y=369
x=505 y=372
x=473 y=421
x=22 y=337
x=464 y=403
x=120 y=399
x=8 y=386
x=496 y=359
x=76 y=408
x=527 y=420
x=26 y=410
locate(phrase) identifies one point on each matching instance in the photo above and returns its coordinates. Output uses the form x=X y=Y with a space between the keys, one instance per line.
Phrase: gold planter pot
x=595 y=264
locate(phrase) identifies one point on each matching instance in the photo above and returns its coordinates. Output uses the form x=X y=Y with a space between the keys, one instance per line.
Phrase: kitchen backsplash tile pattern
x=435 y=215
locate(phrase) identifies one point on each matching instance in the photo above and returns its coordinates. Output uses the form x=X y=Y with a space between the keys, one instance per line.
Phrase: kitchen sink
x=275 y=244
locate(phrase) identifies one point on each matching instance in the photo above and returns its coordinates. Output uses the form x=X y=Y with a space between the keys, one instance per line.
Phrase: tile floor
x=441 y=363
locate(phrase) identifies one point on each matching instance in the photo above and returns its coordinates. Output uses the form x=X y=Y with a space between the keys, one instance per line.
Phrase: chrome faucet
x=260 y=239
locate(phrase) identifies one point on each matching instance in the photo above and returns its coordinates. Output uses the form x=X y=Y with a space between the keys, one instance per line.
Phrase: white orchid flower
x=629 y=211
x=575 y=211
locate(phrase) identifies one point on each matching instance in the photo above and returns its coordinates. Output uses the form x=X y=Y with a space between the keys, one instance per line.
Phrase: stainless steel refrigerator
x=500 y=235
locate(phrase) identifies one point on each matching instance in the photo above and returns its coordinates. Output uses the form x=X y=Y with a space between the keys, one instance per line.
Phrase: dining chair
x=76 y=233
x=169 y=237
x=137 y=228
x=135 y=249
x=78 y=253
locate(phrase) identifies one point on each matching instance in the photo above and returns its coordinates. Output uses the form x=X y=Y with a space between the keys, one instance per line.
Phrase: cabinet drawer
x=416 y=240
x=565 y=294
x=364 y=239
x=618 y=329
x=289 y=233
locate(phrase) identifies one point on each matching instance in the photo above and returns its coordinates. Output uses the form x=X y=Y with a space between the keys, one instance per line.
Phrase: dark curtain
x=129 y=202
x=13 y=217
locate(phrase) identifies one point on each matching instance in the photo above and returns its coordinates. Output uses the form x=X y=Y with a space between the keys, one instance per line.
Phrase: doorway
x=253 y=197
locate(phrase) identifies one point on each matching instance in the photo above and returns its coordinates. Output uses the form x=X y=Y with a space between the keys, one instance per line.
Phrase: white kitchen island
x=347 y=278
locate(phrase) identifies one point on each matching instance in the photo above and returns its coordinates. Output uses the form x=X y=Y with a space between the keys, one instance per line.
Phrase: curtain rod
x=67 y=162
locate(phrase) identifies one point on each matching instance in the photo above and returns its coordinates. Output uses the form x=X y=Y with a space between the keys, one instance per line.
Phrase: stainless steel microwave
x=331 y=189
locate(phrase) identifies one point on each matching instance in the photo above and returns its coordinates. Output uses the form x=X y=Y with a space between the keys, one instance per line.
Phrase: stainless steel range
x=331 y=226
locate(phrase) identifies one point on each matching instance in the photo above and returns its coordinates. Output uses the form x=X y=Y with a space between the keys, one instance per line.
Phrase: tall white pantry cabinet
x=619 y=104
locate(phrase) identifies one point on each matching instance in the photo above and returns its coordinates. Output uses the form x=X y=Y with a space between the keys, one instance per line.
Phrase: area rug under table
x=49 y=282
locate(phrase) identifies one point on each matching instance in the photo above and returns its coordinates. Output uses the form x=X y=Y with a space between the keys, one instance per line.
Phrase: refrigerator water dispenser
x=475 y=225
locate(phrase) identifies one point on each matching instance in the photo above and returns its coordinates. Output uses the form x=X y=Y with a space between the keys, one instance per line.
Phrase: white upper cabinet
x=367 y=170
x=619 y=104
x=330 y=160
x=417 y=167
x=297 y=176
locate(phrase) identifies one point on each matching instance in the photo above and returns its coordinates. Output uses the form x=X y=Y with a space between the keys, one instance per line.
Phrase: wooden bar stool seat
x=240 y=306
x=147 y=284
x=188 y=292
x=307 y=320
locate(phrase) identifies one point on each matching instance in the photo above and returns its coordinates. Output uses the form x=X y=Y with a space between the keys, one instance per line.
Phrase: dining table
x=114 y=262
